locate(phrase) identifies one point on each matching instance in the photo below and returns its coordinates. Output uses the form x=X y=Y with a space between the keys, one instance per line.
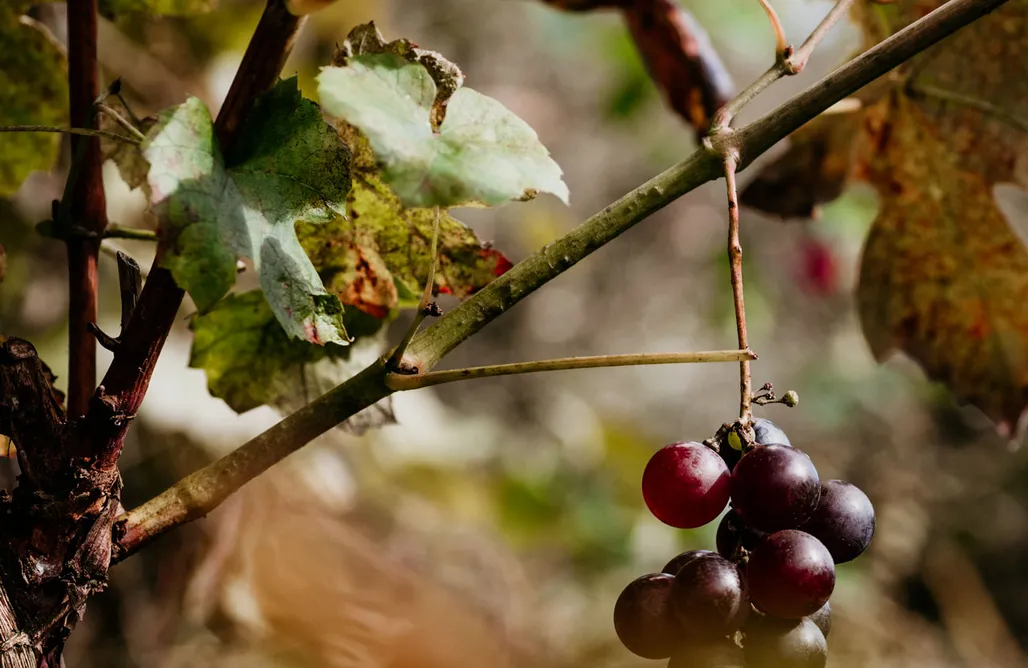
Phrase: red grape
x=790 y=574
x=844 y=520
x=720 y=653
x=775 y=487
x=732 y=532
x=686 y=485
x=643 y=619
x=780 y=643
x=672 y=567
x=709 y=597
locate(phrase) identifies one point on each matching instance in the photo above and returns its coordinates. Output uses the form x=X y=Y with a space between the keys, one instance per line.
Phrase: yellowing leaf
x=33 y=91
x=943 y=276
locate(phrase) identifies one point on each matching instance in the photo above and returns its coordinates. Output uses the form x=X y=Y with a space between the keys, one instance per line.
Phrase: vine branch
x=399 y=382
x=85 y=205
x=202 y=491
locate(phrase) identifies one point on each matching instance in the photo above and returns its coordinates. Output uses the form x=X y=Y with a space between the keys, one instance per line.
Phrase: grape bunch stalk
x=762 y=599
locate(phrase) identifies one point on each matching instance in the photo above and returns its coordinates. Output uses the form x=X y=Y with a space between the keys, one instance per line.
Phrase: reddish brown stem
x=128 y=377
x=735 y=264
x=87 y=208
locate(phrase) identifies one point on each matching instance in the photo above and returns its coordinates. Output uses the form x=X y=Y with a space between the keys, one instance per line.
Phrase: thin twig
x=117 y=118
x=724 y=116
x=121 y=232
x=423 y=311
x=735 y=264
x=781 y=44
x=787 y=62
x=400 y=382
x=798 y=60
x=85 y=132
x=202 y=491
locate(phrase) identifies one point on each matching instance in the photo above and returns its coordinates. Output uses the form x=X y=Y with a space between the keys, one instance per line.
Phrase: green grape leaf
x=249 y=360
x=482 y=154
x=162 y=7
x=289 y=166
x=33 y=91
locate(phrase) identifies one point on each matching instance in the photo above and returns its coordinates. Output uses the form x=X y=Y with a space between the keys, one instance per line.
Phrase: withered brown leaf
x=944 y=278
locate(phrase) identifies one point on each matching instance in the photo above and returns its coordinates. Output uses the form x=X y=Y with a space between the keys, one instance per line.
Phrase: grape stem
x=735 y=264
x=788 y=61
x=424 y=309
x=120 y=120
x=121 y=232
x=399 y=382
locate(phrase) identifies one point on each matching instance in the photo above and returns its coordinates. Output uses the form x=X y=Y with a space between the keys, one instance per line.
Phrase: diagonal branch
x=202 y=491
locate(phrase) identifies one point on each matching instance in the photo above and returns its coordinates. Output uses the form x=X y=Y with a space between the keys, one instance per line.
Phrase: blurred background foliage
x=496 y=522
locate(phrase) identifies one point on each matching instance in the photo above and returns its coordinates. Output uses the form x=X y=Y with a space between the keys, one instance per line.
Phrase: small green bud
x=791 y=398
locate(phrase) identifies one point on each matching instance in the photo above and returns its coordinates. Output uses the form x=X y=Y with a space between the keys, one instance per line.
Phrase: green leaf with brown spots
x=943 y=277
x=377 y=258
x=33 y=91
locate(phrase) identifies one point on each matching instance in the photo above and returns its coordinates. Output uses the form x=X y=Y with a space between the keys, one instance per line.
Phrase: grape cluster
x=760 y=600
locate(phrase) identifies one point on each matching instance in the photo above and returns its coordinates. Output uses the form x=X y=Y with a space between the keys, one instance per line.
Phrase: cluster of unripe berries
x=761 y=600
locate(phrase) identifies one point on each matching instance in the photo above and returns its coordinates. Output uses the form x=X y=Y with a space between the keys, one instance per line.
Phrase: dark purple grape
x=844 y=520
x=686 y=485
x=709 y=597
x=823 y=619
x=732 y=532
x=790 y=574
x=672 y=567
x=643 y=619
x=775 y=487
x=767 y=433
x=782 y=643
x=720 y=653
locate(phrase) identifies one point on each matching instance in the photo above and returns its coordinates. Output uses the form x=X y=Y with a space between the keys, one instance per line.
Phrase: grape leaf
x=33 y=90
x=288 y=166
x=249 y=360
x=366 y=39
x=943 y=276
x=681 y=60
x=481 y=154
x=813 y=171
x=677 y=53
x=164 y=7
x=377 y=258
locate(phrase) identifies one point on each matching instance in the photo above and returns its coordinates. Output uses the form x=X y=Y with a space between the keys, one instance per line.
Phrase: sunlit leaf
x=289 y=166
x=481 y=154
